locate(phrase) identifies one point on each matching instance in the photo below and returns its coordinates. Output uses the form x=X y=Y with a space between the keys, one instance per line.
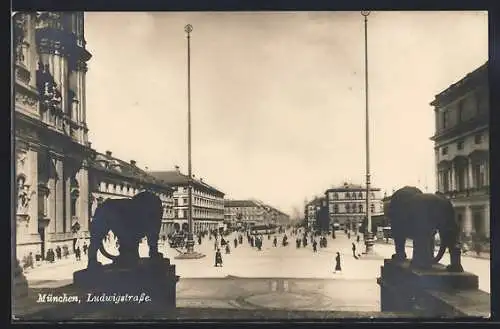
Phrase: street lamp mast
x=190 y=253
x=369 y=234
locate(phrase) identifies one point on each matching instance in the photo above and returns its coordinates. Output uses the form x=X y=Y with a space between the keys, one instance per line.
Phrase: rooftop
x=105 y=162
x=467 y=80
x=175 y=177
x=350 y=187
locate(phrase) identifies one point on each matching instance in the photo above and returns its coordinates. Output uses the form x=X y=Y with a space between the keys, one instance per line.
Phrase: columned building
x=51 y=145
x=112 y=178
x=347 y=204
x=207 y=201
x=461 y=145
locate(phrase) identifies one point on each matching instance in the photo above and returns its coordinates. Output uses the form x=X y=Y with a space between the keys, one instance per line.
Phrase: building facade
x=51 y=142
x=244 y=213
x=59 y=179
x=311 y=209
x=207 y=201
x=112 y=178
x=347 y=204
x=461 y=145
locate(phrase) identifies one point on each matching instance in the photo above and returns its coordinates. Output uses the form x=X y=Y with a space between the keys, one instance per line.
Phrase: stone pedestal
x=431 y=293
x=19 y=287
x=153 y=279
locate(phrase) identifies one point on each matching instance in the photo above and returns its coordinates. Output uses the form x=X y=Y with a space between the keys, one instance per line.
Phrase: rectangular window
x=461 y=172
x=444 y=150
x=479 y=175
x=460 y=110
x=446 y=181
x=460 y=145
x=478 y=139
x=446 y=119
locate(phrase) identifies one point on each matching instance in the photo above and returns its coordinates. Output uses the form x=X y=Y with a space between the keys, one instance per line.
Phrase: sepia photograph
x=250 y=165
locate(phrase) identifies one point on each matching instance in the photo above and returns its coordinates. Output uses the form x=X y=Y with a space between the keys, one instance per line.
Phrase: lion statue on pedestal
x=130 y=220
x=419 y=216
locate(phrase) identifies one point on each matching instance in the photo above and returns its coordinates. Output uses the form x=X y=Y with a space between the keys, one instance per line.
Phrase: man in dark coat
x=218 y=258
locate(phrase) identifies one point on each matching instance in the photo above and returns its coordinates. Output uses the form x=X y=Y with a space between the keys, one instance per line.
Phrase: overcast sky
x=277 y=98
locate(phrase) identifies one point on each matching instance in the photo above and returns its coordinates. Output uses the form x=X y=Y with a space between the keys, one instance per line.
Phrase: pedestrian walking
x=58 y=252
x=235 y=242
x=275 y=242
x=228 y=250
x=354 y=250
x=85 y=247
x=349 y=235
x=315 y=246
x=357 y=239
x=218 y=258
x=338 y=267
x=216 y=245
x=78 y=253
x=333 y=234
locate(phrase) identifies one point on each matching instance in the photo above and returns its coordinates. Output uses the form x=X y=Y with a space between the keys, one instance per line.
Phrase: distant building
x=112 y=178
x=207 y=201
x=240 y=213
x=245 y=213
x=347 y=204
x=311 y=210
x=461 y=145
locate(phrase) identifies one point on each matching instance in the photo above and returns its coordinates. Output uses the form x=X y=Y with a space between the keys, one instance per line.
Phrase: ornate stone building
x=461 y=145
x=51 y=145
x=208 y=202
x=112 y=178
x=59 y=178
x=347 y=204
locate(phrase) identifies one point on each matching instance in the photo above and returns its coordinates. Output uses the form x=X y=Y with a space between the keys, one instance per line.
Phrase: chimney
x=108 y=153
x=133 y=162
x=177 y=168
x=201 y=179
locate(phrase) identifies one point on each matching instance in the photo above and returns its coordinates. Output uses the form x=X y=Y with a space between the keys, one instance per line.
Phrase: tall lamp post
x=368 y=235
x=190 y=253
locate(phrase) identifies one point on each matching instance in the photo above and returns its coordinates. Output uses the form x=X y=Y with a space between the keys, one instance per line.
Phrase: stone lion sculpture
x=130 y=220
x=418 y=216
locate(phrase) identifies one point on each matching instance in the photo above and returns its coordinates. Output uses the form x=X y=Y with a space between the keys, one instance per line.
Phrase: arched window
x=336 y=208
x=336 y=196
x=348 y=195
x=372 y=208
x=347 y=207
x=360 y=195
x=360 y=207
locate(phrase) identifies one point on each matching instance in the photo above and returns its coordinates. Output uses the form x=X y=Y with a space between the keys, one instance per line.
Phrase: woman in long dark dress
x=337 y=263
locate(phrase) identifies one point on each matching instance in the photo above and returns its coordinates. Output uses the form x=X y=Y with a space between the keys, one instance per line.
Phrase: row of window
x=352 y=208
x=463 y=113
x=199 y=213
x=199 y=202
x=184 y=189
x=351 y=195
x=478 y=139
x=479 y=178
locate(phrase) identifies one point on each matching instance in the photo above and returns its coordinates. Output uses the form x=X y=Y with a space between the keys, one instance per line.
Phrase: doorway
x=41 y=231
